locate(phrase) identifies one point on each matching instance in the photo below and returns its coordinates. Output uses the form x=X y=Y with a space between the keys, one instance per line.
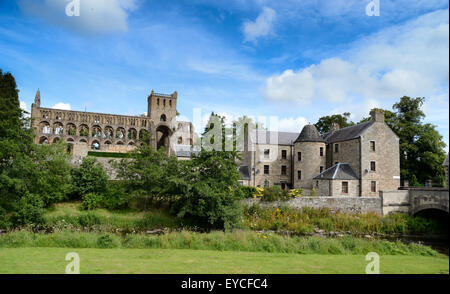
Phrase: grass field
x=169 y=261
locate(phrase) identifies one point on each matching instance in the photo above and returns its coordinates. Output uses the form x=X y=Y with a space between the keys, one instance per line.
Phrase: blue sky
x=297 y=60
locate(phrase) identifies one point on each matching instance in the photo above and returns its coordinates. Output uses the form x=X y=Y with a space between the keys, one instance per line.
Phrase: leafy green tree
x=145 y=172
x=29 y=210
x=90 y=177
x=324 y=123
x=210 y=191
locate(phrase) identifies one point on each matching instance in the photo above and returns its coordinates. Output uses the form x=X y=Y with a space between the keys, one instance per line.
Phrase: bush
x=89 y=220
x=91 y=201
x=5 y=222
x=248 y=191
x=29 y=210
x=115 y=196
x=106 y=241
x=90 y=177
x=275 y=193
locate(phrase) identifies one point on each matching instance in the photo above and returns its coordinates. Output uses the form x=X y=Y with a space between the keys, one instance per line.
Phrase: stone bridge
x=414 y=200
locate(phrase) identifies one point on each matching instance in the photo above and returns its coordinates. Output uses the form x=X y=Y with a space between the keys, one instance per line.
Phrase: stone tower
x=309 y=157
x=162 y=107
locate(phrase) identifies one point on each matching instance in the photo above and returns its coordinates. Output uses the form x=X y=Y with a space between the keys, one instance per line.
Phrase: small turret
x=37 y=98
x=309 y=157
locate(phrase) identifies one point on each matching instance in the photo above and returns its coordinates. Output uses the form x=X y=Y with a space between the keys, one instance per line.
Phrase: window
x=283 y=170
x=321 y=169
x=266 y=169
x=299 y=156
x=266 y=153
x=372 y=145
x=345 y=187
x=317 y=184
x=321 y=151
x=336 y=148
x=372 y=166
x=283 y=154
x=373 y=186
x=299 y=174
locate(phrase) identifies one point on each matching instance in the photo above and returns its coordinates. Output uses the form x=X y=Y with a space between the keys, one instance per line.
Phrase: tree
x=145 y=172
x=90 y=177
x=209 y=191
x=324 y=123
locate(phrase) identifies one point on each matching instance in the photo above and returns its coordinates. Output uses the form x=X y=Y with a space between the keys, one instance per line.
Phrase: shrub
x=91 y=201
x=89 y=220
x=275 y=193
x=248 y=191
x=259 y=192
x=115 y=196
x=106 y=241
x=5 y=222
x=29 y=210
x=295 y=193
x=90 y=177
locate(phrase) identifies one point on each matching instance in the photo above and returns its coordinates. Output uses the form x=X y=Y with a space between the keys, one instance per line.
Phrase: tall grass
x=232 y=241
x=306 y=219
x=69 y=216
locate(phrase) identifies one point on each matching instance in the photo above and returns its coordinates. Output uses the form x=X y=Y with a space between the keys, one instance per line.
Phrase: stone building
x=359 y=160
x=101 y=132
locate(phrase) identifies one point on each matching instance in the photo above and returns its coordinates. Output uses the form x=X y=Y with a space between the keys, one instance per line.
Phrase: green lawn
x=168 y=261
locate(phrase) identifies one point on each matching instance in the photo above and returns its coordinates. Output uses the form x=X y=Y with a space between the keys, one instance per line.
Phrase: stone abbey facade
x=89 y=131
x=360 y=160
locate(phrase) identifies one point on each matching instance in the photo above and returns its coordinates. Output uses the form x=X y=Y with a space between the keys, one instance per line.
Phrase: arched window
x=95 y=145
x=96 y=132
x=163 y=117
x=45 y=128
x=84 y=131
x=180 y=140
x=132 y=134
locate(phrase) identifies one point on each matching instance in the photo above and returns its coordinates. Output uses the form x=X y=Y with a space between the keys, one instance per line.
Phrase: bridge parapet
x=428 y=198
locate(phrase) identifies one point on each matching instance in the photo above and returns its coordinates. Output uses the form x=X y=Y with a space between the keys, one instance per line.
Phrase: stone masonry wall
x=343 y=204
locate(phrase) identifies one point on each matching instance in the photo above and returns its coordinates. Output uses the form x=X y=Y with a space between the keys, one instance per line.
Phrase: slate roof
x=270 y=137
x=244 y=171
x=446 y=161
x=347 y=133
x=340 y=171
x=309 y=134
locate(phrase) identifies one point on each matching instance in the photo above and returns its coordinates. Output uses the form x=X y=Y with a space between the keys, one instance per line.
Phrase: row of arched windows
x=95 y=145
x=96 y=131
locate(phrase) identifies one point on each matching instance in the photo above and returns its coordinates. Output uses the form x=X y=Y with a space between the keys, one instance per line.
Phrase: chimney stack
x=378 y=115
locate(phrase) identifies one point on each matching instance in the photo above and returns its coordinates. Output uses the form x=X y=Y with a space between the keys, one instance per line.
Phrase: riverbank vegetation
x=215 y=240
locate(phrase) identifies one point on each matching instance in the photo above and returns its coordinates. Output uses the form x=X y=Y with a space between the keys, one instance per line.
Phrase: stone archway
x=163 y=134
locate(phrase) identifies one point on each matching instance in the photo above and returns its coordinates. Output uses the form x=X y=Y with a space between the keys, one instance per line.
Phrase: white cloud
x=23 y=105
x=261 y=27
x=63 y=106
x=291 y=124
x=411 y=59
x=96 y=16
